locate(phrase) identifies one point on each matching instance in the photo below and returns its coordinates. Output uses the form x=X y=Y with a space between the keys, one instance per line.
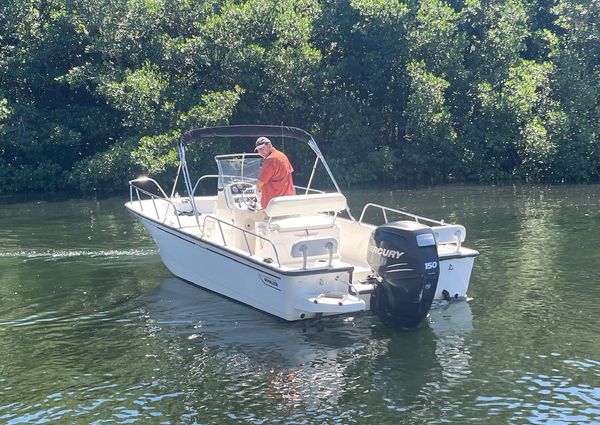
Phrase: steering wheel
x=249 y=197
x=245 y=193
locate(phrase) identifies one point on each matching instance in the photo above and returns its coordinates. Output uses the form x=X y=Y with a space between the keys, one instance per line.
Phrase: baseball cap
x=260 y=142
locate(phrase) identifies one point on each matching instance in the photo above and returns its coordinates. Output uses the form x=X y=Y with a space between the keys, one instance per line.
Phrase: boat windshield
x=238 y=167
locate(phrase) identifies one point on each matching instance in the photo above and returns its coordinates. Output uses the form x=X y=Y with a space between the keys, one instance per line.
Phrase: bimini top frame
x=230 y=131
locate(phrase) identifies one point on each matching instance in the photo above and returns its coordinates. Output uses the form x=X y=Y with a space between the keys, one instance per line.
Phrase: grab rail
x=206 y=176
x=152 y=196
x=456 y=237
x=244 y=232
x=407 y=214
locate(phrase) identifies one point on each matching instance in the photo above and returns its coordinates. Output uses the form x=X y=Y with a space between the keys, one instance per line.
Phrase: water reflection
x=299 y=365
x=453 y=324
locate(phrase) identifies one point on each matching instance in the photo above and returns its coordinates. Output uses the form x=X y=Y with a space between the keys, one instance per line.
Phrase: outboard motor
x=404 y=257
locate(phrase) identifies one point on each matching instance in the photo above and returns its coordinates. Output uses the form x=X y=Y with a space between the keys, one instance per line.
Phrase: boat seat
x=305 y=204
x=292 y=246
x=302 y=212
x=299 y=227
x=450 y=233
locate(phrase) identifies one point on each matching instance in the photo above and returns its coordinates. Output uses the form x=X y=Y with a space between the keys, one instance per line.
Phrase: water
x=94 y=329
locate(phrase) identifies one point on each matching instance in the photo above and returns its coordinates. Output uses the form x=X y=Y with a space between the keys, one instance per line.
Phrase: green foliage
x=4 y=111
x=435 y=38
x=140 y=96
x=577 y=76
x=429 y=149
x=4 y=116
x=383 y=11
x=497 y=33
x=156 y=153
x=93 y=92
x=352 y=142
x=215 y=109
x=105 y=170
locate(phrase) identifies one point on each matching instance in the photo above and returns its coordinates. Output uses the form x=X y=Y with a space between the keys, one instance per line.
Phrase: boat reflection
x=315 y=360
x=452 y=324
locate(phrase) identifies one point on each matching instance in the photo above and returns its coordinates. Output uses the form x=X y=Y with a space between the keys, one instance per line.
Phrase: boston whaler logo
x=390 y=253
x=270 y=281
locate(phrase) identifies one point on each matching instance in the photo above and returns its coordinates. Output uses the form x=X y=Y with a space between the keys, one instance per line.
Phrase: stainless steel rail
x=206 y=176
x=245 y=233
x=220 y=223
x=384 y=210
x=152 y=196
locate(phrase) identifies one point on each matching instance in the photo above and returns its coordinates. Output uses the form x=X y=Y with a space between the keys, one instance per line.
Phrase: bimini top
x=246 y=131
x=255 y=131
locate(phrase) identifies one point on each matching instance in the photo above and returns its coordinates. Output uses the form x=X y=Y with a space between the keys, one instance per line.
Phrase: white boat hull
x=455 y=274
x=290 y=296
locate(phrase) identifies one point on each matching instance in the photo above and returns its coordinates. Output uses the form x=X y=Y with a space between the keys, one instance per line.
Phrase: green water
x=95 y=330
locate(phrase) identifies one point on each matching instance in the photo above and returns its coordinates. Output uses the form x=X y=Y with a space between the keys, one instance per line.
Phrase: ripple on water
x=52 y=254
x=561 y=397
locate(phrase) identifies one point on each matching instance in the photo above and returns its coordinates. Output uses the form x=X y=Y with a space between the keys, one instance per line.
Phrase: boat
x=303 y=255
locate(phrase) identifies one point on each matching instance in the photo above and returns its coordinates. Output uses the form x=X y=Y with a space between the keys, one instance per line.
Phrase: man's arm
x=266 y=172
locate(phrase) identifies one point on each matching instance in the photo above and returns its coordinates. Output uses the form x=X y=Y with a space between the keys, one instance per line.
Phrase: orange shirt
x=275 y=177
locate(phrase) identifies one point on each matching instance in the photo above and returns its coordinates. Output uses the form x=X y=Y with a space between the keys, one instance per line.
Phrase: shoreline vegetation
x=422 y=92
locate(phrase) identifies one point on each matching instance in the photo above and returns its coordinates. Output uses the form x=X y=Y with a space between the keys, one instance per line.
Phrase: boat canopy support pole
x=313 y=145
x=176 y=179
x=312 y=174
x=187 y=180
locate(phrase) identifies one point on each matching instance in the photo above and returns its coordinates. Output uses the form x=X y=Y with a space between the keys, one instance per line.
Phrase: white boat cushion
x=293 y=224
x=305 y=204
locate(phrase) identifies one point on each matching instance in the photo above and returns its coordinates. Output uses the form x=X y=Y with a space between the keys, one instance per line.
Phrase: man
x=275 y=176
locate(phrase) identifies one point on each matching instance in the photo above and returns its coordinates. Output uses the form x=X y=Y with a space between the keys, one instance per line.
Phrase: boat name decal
x=390 y=253
x=269 y=281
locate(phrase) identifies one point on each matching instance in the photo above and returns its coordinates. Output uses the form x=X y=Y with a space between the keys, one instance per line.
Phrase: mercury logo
x=384 y=252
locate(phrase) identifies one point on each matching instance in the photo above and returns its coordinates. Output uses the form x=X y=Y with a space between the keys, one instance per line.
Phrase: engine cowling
x=404 y=257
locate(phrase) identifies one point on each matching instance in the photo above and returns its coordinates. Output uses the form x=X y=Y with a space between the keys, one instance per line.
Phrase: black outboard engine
x=404 y=257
